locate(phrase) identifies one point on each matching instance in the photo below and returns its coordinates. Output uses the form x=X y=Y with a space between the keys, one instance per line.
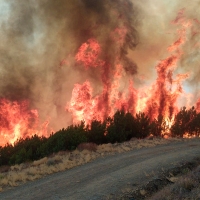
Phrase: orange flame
x=17 y=121
x=158 y=99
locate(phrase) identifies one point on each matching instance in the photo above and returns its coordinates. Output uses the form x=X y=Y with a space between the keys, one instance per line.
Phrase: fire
x=117 y=89
x=88 y=54
x=17 y=121
x=82 y=103
x=160 y=98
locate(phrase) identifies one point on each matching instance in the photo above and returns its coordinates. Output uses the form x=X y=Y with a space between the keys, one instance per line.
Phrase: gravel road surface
x=108 y=175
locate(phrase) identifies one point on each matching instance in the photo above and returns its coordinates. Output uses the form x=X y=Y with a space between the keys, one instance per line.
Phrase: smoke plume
x=39 y=41
x=48 y=46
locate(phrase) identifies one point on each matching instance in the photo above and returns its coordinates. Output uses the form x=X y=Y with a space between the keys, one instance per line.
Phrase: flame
x=17 y=121
x=160 y=98
x=88 y=54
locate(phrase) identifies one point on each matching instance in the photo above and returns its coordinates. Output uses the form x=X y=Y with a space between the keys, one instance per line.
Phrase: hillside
x=106 y=174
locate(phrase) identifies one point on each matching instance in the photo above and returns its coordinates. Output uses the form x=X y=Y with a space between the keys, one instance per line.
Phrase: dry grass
x=86 y=152
x=4 y=168
x=88 y=146
x=39 y=162
x=186 y=187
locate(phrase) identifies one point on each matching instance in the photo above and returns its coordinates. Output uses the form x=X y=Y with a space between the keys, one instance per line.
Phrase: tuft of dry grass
x=39 y=162
x=88 y=146
x=4 y=168
x=54 y=160
x=187 y=183
x=186 y=187
x=164 y=194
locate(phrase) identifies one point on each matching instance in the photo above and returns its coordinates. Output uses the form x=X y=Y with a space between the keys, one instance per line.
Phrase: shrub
x=184 y=122
x=129 y=124
x=19 y=157
x=96 y=132
x=194 y=125
x=26 y=149
x=118 y=129
x=64 y=139
x=5 y=153
x=142 y=125
x=75 y=135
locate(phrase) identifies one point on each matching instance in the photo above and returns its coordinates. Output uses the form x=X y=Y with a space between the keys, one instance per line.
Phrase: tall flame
x=17 y=121
x=160 y=98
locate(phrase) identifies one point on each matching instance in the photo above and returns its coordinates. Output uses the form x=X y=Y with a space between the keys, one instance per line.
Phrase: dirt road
x=98 y=179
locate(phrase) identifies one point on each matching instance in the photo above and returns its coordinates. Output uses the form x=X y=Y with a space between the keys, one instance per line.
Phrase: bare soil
x=109 y=176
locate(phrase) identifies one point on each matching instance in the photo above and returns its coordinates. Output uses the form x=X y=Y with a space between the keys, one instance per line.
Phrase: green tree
x=142 y=125
x=158 y=126
x=96 y=132
x=183 y=122
x=121 y=127
x=5 y=153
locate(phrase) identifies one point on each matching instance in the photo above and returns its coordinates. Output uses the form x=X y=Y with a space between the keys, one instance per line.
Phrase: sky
x=4 y=8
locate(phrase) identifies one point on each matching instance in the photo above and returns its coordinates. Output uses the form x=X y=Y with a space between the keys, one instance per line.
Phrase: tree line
x=121 y=127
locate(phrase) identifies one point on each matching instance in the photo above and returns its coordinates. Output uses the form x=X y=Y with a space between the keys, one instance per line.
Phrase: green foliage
x=64 y=139
x=116 y=131
x=143 y=125
x=26 y=149
x=129 y=125
x=54 y=143
x=111 y=132
x=75 y=135
x=194 y=125
x=184 y=122
x=96 y=132
x=5 y=153
x=19 y=157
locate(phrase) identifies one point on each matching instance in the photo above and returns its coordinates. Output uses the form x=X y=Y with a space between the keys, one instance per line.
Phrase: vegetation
x=121 y=127
x=186 y=121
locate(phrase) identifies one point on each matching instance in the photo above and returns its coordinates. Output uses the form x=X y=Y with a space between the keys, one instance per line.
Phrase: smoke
x=157 y=33
x=16 y=78
x=39 y=40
